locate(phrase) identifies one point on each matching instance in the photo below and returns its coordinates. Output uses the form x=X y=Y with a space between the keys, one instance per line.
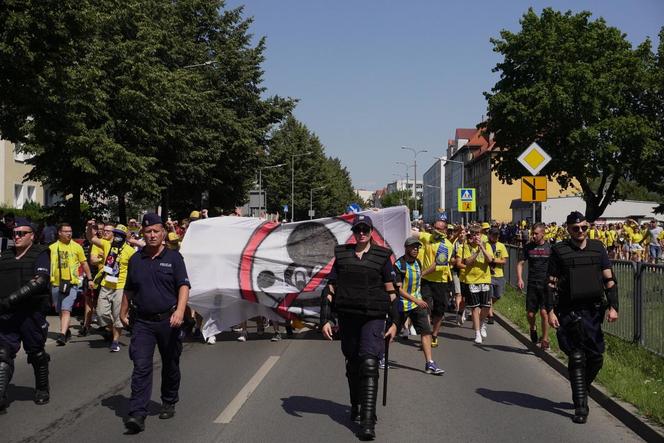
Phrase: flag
x=241 y=267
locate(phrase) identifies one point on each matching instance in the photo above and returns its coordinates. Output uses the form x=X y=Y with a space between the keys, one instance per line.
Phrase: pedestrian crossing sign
x=466 y=200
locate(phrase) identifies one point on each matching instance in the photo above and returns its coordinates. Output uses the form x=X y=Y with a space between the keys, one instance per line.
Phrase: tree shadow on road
x=120 y=405
x=504 y=348
x=524 y=400
x=297 y=405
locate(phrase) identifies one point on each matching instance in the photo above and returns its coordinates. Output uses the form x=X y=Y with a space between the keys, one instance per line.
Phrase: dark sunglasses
x=21 y=234
x=583 y=228
x=361 y=230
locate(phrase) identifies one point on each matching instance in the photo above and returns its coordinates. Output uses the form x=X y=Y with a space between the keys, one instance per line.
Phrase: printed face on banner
x=277 y=276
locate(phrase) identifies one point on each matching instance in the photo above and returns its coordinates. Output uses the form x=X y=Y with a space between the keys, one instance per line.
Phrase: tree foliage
x=400 y=198
x=136 y=99
x=329 y=180
x=578 y=88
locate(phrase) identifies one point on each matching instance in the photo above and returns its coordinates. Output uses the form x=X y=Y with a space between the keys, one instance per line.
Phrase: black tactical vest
x=15 y=273
x=581 y=282
x=360 y=287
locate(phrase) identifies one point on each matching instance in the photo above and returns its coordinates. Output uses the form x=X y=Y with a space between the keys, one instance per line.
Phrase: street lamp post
x=407 y=168
x=445 y=160
x=293 y=182
x=415 y=153
x=311 y=200
x=260 y=184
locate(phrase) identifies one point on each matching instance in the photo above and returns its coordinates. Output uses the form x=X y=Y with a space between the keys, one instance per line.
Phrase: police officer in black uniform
x=158 y=289
x=24 y=299
x=361 y=291
x=581 y=288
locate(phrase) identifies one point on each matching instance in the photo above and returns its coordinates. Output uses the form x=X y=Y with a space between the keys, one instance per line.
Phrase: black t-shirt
x=537 y=257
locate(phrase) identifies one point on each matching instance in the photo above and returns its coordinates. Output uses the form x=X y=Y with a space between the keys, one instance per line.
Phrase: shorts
x=476 y=295
x=419 y=318
x=108 y=306
x=457 y=283
x=497 y=287
x=436 y=294
x=655 y=251
x=63 y=302
x=535 y=296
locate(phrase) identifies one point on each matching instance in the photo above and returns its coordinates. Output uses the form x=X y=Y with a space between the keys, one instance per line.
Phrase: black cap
x=361 y=219
x=575 y=217
x=22 y=221
x=410 y=241
x=151 y=219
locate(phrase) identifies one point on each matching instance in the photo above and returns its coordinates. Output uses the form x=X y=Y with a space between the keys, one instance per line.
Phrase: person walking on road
x=437 y=276
x=536 y=253
x=409 y=275
x=66 y=257
x=361 y=287
x=24 y=298
x=581 y=287
x=158 y=289
x=500 y=256
x=476 y=281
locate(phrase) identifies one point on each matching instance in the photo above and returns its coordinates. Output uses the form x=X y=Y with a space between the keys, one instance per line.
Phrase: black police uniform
x=580 y=307
x=361 y=304
x=24 y=299
x=155 y=284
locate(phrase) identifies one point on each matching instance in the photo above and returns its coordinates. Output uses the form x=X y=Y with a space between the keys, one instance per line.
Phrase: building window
x=18 y=196
x=31 y=194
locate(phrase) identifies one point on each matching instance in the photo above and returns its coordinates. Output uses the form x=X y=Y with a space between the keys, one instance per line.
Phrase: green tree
x=329 y=180
x=577 y=87
x=400 y=198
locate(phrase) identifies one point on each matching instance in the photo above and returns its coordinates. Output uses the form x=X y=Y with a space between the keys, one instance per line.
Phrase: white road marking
x=234 y=406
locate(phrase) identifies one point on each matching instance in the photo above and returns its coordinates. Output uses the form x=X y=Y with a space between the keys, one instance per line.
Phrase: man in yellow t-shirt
x=112 y=278
x=66 y=257
x=476 y=279
x=500 y=255
x=436 y=275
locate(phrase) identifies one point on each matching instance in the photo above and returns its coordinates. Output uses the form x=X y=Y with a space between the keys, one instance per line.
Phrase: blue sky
x=372 y=76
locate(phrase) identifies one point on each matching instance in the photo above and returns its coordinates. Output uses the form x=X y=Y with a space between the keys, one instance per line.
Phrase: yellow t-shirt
x=99 y=252
x=439 y=250
x=478 y=272
x=500 y=252
x=123 y=259
x=66 y=268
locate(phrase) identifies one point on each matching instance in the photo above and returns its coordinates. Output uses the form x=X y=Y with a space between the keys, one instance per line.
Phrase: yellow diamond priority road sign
x=534 y=158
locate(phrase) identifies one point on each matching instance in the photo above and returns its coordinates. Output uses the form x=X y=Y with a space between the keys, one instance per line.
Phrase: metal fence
x=641 y=297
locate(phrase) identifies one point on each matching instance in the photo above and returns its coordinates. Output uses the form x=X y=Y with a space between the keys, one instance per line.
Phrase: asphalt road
x=295 y=391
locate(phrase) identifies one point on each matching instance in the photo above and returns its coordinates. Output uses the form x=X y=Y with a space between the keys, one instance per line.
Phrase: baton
x=387 y=365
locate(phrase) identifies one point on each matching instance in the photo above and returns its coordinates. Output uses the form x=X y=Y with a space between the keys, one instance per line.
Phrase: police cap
x=151 y=219
x=575 y=217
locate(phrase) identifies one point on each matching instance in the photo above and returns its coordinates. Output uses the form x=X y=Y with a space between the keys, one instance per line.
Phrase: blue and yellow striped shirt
x=411 y=279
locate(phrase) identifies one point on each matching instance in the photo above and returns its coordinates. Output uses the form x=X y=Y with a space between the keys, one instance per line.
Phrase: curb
x=623 y=411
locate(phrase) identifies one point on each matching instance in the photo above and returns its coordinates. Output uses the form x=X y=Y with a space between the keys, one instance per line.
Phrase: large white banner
x=241 y=268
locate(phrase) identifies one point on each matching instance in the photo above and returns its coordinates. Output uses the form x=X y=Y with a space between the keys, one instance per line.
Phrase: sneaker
x=463 y=316
x=533 y=336
x=115 y=347
x=242 y=336
x=478 y=337
x=212 y=340
x=460 y=319
x=381 y=363
x=483 y=330
x=490 y=320
x=434 y=342
x=276 y=337
x=61 y=340
x=432 y=368
x=83 y=332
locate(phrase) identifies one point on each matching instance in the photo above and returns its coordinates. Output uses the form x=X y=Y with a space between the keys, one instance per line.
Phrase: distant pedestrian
x=476 y=280
x=500 y=256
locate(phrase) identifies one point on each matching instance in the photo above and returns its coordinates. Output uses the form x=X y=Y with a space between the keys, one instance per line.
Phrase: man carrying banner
x=361 y=288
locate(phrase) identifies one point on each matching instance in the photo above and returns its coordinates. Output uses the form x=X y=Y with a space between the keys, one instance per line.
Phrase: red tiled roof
x=465 y=133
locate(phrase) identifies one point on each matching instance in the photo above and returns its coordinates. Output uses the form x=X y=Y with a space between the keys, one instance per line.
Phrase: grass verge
x=630 y=372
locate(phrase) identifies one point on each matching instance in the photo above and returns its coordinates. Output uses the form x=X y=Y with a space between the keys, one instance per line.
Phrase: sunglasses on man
x=21 y=234
x=361 y=230
x=583 y=228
